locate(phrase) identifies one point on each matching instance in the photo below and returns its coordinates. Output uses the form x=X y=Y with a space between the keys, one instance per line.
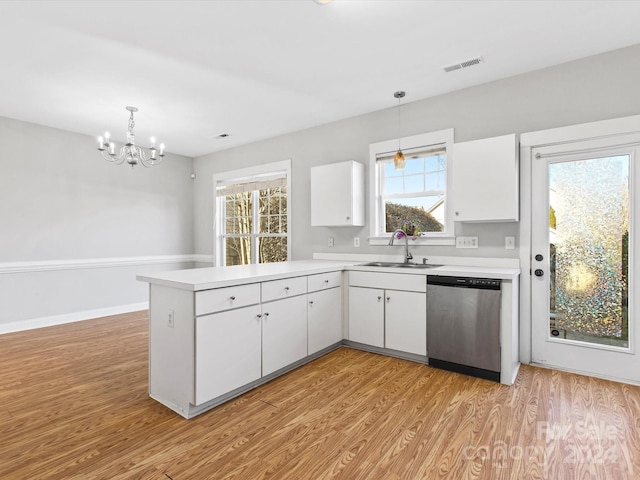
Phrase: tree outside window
x=252 y=218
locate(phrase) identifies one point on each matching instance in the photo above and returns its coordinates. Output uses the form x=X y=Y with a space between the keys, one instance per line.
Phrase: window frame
x=247 y=175
x=388 y=147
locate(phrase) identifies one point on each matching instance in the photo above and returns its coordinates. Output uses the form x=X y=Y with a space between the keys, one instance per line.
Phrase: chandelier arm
x=116 y=159
x=149 y=162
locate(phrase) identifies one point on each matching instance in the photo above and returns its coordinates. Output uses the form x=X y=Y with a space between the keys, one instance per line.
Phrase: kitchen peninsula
x=215 y=333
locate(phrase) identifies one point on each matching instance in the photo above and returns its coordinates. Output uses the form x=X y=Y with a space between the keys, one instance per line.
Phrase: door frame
x=529 y=141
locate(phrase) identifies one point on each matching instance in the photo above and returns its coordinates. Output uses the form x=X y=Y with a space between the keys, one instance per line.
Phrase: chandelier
x=130 y=152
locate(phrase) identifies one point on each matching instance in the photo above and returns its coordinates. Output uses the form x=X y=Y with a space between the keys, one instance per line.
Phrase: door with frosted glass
x=582 y=249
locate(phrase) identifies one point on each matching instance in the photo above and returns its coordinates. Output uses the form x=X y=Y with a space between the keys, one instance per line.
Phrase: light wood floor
x=74 y=405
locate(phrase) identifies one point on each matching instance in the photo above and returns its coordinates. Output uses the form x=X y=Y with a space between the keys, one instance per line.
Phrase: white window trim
x=247 y=173
x=375 y=149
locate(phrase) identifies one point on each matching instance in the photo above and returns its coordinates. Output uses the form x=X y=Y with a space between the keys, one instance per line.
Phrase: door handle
x=539 y=272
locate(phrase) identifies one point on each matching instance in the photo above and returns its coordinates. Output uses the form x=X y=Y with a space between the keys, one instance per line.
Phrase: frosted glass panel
x=588 y=254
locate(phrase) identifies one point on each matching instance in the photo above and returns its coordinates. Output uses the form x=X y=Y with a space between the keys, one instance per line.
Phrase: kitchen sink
x=397 y=265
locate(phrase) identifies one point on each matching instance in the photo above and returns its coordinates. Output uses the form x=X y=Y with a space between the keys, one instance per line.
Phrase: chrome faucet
x=407 y=255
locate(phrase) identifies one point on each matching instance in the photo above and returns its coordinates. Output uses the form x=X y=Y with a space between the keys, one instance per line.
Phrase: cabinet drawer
x=389 y=281
x=287 y=287
x=322 y=281
x=219 y=299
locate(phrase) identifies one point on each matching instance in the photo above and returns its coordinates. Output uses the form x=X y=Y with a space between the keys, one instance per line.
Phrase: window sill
x=418 y=241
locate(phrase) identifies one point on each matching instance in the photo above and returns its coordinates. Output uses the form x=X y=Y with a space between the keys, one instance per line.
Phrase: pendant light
x=398 y=160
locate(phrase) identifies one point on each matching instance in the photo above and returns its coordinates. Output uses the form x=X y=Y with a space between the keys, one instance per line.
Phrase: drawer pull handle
x=286 y=289
x=259 y=315
x=388 y=298
x=232 y=298
x=326 y=281
x=266 y=314
x=379 y=298
x=310 y=302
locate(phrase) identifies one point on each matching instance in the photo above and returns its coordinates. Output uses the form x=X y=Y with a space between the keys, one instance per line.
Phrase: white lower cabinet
x=381 y=316
x=366 y=316
x=324 y=319
x=405 y=321
x=284 y=333
x=227 y=351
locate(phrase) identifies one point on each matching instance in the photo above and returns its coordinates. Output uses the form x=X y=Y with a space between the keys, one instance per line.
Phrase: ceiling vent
x=467 y=63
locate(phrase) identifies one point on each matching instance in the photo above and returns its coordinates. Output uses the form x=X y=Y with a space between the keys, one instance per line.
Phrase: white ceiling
x=260 y=68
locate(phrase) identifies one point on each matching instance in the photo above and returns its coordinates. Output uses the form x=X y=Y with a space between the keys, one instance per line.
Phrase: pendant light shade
x=398 y=160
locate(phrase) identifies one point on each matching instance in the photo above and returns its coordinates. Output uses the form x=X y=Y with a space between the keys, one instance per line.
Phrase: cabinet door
x=366 y=316
x=337 y=194
x=485 y=180
x=406 y=321
x=284 y=333
x=324 y=319
x=228 y=351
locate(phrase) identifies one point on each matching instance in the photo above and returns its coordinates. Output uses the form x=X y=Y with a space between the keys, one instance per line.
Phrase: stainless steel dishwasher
x=463 y=325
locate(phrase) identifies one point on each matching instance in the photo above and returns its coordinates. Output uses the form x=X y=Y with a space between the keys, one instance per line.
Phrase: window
x=252 y=215
x=413 y=198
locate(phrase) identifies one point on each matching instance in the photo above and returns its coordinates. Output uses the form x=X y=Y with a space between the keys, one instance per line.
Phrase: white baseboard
x=70 y=317
x=630 y=381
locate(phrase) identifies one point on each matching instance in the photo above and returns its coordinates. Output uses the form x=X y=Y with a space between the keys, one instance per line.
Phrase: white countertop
x=196 y=279
x=215 y=277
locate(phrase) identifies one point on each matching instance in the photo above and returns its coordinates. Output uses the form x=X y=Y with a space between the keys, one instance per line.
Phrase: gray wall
x=595 y=88
x=60 y=201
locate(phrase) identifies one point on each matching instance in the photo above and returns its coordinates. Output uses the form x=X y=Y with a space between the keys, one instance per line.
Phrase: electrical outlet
x=466 y=242
x=356 y=241
x=170 y=318
x=330 y=242
x=510 y=243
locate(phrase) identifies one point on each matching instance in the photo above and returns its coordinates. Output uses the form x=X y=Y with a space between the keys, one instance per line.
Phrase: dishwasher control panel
x=468 y=282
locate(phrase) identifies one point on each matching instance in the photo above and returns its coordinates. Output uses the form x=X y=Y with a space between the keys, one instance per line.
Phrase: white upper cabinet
x=485 y=180
x=337 y=195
